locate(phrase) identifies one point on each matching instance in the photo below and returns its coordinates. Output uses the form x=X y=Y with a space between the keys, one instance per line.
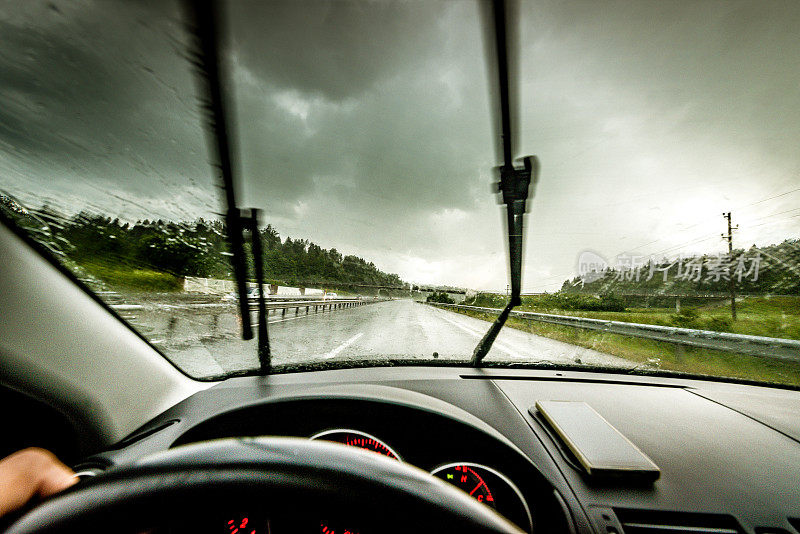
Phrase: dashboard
x=729 y=454
x=487 y=467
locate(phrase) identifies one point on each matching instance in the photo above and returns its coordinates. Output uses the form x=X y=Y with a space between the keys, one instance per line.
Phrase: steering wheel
x=295 y=481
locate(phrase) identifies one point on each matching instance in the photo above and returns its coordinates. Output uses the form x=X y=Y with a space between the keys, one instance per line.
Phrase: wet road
x=204 y=341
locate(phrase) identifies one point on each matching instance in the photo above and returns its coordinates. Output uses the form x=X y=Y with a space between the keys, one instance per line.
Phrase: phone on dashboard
x=599 y=447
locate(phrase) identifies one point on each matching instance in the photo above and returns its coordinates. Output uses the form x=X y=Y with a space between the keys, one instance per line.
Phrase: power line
x=706 y=219
x=770 y=198
x=779 y=213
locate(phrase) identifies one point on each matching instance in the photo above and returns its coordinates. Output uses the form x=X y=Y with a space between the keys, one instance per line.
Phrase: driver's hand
x=31 y=473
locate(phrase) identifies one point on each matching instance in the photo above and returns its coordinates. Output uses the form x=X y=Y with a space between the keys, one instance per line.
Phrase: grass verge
x=770 y=316
x=650 y=354
x=129 y=279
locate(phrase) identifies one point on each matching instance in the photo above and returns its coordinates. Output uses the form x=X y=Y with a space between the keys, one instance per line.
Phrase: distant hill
x=106 y=247
x=773 y=269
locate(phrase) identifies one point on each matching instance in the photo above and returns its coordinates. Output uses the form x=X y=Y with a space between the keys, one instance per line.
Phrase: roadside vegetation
x=646 y=354
x=771 y=316
x=129 y=279
x=155 y=255
x=442 y=298
x=772 y=269
x=761 y=316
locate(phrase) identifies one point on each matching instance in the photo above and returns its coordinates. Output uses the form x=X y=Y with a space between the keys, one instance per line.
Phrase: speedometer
x=490 y=487
x=356 y=438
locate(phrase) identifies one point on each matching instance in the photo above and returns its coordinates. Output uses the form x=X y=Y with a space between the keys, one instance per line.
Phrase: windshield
x=662 y=235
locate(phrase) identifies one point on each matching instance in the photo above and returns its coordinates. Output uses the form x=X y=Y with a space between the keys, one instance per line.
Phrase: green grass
x=757 y=316
x=649 y=354
x=130 y=279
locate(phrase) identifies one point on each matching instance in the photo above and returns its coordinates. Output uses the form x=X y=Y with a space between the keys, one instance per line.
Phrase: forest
x=156 y=254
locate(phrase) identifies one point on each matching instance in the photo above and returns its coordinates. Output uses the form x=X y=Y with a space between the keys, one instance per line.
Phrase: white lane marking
x=343 y=346
x=465 y=328
x=501 y=346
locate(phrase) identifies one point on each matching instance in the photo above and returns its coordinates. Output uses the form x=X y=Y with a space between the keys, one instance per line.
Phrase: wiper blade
x=258 y=262
x=203 y=20
x=514 y=184
x=206 y=23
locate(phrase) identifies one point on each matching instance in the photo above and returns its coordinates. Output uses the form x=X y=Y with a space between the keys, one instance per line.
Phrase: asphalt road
x=204 y=339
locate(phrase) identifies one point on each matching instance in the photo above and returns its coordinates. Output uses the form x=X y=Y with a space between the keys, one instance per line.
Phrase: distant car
x=330 y=295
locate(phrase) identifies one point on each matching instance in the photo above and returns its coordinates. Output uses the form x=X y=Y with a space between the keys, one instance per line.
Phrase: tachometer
x=466 y=478
x=489 y=487
x=356 y=438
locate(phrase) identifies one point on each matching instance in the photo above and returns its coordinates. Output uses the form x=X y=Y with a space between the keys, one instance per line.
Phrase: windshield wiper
x=258 y=262
x=206 y=25
x=514 y=184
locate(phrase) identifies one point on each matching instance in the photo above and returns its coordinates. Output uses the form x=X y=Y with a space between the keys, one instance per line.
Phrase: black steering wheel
x=300 y=485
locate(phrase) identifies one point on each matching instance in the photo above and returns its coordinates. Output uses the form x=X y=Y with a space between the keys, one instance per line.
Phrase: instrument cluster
x=481 y=482
x=473 y=459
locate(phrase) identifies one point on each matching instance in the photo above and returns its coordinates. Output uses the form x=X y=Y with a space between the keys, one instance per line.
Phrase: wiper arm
x=203 y=23
x=204 y=19
x=514 y=184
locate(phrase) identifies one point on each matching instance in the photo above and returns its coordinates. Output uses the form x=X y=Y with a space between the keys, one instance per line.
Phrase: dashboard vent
x=656 y=522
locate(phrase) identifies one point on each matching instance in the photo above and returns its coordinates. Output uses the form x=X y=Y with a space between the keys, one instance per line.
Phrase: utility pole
x=731 y=282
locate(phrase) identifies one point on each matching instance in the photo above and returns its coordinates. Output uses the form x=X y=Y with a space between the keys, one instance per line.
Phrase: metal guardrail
x=273 y=306
x=316 y=305
x=766 y=347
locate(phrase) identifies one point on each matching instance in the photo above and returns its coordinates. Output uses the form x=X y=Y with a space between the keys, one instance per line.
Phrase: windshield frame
x=50 y=258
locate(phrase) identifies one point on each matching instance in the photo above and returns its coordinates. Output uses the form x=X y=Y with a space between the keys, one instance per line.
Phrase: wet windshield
x=663 y=234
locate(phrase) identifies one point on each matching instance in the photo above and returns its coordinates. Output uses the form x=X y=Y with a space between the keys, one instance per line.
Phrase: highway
x=203 y=339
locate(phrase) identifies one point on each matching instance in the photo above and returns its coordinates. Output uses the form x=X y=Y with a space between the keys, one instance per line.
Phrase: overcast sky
x=365 y=126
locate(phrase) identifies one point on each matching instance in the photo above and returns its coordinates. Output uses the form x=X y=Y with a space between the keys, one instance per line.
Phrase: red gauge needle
x=476 y=487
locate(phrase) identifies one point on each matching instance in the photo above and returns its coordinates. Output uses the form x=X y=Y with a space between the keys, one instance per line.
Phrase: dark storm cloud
x=103 y=94
x=731 y=66
x=38 y=74
x=425 y=157
x=379 y=100
x=109 y=92
x=327 y=48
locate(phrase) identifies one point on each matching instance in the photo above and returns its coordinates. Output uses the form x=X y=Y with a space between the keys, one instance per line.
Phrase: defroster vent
x=658 y=522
